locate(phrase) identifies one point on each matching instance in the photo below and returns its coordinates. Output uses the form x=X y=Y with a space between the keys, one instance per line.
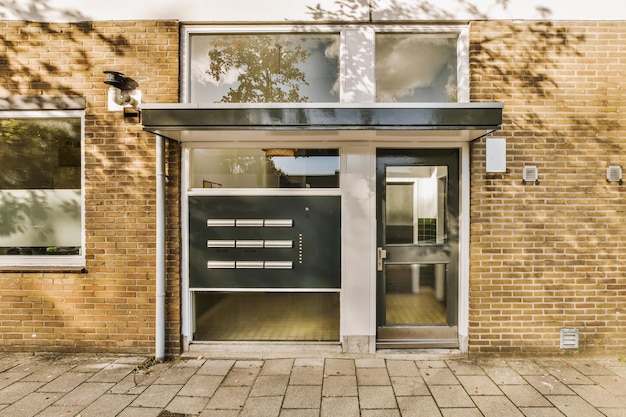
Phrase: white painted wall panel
x=277 y=11
x=359 y=245
x=444 y=10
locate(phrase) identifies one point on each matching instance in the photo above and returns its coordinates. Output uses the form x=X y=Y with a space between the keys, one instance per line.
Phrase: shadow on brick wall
x=93 y=311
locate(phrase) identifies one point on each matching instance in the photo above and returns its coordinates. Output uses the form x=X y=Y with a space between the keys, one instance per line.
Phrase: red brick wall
x=548 y=256
x=111 y=308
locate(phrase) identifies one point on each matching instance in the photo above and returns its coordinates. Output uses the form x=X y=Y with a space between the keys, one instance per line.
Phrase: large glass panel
x=40 y=186
x=264 y=68
x=416 y=67
x=415 y=205
x=265 y=168
x=252 y=316
x=415 y=294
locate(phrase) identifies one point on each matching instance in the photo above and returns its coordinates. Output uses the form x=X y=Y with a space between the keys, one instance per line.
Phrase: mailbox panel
x=264 y=242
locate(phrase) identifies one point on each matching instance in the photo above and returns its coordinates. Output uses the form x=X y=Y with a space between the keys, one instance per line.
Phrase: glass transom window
x=264 y=68
x=265 y=168
x=40 y=186
x=416 y=67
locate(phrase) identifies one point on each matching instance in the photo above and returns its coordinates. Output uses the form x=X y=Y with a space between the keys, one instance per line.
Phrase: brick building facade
x=109 y=304
x=541 y=257
x=547 y=256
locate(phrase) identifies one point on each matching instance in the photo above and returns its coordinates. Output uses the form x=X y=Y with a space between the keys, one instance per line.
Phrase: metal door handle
x=380 y=254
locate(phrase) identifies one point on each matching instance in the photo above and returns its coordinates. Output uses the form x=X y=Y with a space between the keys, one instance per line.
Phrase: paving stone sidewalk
x=337 y=386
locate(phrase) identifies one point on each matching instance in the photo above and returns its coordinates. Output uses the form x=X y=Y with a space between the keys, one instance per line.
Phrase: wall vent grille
x=569 y=338
x=614 y=173
x=530 y=173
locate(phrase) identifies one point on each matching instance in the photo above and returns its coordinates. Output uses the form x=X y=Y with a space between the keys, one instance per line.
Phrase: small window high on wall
x=416 y=67
x=263 y=68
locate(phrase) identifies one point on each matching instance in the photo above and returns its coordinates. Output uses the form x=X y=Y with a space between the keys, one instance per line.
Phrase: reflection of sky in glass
x=321 y=68
x=416 y=68
x=309 y=166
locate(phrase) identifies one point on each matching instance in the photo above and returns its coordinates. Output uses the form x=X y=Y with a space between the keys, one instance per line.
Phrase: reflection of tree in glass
x=36 y=154
x=30 y=152
x=249 y=164
x=267 y=67
x=21 y=153
x=239 y=164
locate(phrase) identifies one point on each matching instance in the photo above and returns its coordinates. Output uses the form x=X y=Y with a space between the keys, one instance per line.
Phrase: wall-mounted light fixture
x=614 y=174
x=530 y=174
x=123 y=93
x=279 y=152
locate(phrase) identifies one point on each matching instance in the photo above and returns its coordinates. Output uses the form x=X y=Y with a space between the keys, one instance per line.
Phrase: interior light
x=279 y=152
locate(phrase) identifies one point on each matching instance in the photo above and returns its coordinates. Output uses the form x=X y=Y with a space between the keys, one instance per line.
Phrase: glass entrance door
x=417 y=233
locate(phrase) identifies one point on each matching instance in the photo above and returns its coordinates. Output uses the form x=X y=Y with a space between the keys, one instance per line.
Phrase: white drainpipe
x=160 y=249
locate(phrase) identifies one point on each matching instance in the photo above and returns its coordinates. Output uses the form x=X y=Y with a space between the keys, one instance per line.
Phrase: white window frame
x=356 y=88
x=462 y=51
x=42 y=261
x=187 y=191
x=357 y=156
x=187 y=30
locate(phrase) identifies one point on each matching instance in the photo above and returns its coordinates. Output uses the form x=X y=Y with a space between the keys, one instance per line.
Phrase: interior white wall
x=280 y=11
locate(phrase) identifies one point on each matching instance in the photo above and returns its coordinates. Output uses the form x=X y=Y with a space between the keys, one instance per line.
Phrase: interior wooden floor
x=415 y=309
x=297 y=316
x=267 y=317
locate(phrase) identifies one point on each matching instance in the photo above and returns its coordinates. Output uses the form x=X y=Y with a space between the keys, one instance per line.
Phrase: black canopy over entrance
x=454 y=121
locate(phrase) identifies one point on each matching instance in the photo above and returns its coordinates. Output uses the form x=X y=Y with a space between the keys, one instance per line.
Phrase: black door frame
x=448 y=253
